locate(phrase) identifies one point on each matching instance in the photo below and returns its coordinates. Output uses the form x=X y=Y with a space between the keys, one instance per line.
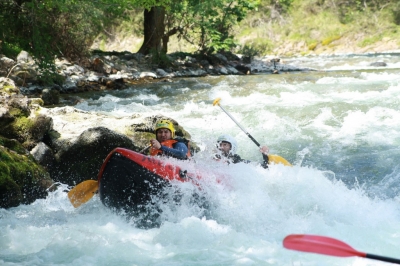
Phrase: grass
x=309 y=26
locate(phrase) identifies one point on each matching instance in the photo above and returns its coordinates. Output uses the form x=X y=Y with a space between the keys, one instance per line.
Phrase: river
x=339 y=127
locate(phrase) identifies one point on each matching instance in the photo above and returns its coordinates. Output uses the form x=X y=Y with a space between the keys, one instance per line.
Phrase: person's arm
x=264 y=151
x=237 y=159
x=178 y=151
x=265 y=161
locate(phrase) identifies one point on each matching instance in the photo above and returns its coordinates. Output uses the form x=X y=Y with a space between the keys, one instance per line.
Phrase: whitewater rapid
x=339 y=127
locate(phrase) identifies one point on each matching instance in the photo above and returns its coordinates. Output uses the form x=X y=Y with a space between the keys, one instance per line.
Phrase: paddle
x=145 y=149
x=328 y=246
x=83 y=192
x=272 y=158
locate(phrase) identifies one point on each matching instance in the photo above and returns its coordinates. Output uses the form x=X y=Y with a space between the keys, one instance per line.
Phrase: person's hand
x=264 y=150
x=155 y=144
x=217 y=157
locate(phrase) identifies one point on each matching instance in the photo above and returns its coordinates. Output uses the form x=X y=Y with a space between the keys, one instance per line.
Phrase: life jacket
x=170 y=143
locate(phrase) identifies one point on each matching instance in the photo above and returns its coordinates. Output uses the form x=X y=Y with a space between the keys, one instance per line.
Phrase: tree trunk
x=153 y=29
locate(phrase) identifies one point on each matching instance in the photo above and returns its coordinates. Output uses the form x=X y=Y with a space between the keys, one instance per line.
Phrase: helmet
x=231 y=140
x=165 y=124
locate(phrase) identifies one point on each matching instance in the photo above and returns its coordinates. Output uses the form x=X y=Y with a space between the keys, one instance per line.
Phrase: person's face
x=163 y=134
x=225 y=147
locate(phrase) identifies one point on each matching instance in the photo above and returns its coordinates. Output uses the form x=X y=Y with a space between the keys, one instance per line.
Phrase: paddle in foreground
x=83 y=192
x=328 y=246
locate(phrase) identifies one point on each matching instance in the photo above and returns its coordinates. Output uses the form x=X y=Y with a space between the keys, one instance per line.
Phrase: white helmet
x=231 y=140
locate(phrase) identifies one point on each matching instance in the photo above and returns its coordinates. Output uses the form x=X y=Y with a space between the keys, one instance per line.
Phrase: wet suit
x=178 y=150
x=235 y=158
x=175 y=148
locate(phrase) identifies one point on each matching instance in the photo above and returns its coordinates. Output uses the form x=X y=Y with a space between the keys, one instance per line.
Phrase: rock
x=6 y=65
x=74 y=70
x=247 y=59
x=161 y=73
x=98 y=65
x=18 y=105
x=5 y=117
x=50 y=96
x=24 y=57
x=14 y=145
x=147 y=74
x=18 y=123
x=36 y=101
x=378 y=64
x=43 y=155
x=40 y=126
x=22 y=180
x=221 y=58
x=103 y=69
x=204 y=63
x=223 y=70
x=243 y=69
x=7 y=87
x=232 y=70
x=197 y=73
x=80 y=159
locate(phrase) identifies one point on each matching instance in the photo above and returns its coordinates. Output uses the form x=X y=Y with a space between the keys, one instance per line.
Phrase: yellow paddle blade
x=83 y=192
x=278 y=159
x=216 y=101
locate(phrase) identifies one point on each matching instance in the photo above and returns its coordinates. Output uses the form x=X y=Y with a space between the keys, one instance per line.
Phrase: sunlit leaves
x=208 y=24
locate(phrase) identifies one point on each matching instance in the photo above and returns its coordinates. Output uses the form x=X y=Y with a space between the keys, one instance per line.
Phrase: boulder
x=80 y=159
x=50 y=96
x=22 y=180
x=43 y=155
x=378 y=64
x=7 y=87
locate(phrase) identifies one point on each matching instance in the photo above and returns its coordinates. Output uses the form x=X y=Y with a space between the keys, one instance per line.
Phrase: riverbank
x=307 y=29
x=345 y=45
x=118 y=70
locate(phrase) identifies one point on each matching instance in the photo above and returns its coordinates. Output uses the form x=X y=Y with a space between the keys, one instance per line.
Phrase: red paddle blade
x=321 y=245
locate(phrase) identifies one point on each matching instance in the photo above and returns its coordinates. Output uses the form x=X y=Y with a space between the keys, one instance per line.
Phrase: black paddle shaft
x=255 y=141
x=382 y=258
x=237 y=123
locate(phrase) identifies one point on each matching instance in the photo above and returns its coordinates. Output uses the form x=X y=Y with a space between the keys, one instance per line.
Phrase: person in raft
x=167 y=144
x=227 y=147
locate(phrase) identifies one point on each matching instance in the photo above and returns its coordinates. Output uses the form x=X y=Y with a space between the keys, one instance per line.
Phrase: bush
x=160 y=59
x=330 y=39
x=396 y=14
x=257 y=47
x=10 y=50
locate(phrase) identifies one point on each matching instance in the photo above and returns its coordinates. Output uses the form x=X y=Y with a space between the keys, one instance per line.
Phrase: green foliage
x=312 y=45
x=19 y=176
x=160 y=58
x=11 y=144
x=256 y=47
x=208 y=24
x=370 y=40
x=283 y=5
x=9 y=49
x=67 y=28
x=330 y=39
x=55 y=28
x=48 y=73
x=396 y=13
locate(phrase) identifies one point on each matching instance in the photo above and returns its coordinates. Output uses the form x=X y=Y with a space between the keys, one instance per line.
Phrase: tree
x=154 y=28
x=206 y=24
x=51 y=28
